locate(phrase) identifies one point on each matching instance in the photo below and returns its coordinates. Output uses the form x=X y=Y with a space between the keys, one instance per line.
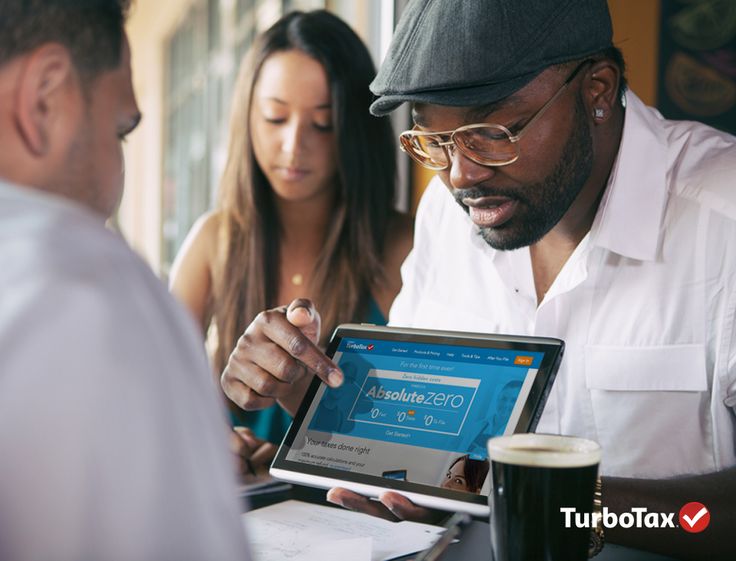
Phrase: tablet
x=415 y=412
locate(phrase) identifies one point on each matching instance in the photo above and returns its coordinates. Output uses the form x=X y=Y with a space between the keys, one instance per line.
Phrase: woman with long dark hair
x=306 y=199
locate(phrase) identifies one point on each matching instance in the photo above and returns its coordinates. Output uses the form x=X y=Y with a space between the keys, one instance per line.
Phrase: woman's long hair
x=246 y=277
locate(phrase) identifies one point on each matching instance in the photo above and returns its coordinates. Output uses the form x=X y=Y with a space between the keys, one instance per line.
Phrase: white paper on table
x=303 y=531
x=355 y=549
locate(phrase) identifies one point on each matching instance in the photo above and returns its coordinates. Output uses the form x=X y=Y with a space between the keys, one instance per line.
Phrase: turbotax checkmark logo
x=694 y=517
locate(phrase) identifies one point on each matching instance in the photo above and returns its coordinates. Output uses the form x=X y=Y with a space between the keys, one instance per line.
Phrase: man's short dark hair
x=92 y=30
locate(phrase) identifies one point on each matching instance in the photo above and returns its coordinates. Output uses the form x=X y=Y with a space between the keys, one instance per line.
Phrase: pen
x=455 y=526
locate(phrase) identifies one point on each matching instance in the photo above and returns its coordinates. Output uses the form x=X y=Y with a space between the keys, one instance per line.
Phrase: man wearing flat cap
x=565 y=207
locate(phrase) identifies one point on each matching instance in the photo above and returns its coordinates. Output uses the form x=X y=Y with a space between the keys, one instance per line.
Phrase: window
x=202 y=59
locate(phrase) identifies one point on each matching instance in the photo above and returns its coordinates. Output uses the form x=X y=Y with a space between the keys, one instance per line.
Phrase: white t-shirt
x=112 y=436
x=646 y=304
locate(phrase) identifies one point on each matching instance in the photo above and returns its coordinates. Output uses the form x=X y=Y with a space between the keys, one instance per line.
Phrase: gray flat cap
x=473 y=52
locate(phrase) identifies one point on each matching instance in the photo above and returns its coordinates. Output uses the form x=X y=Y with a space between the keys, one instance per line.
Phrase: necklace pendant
x=297 y=279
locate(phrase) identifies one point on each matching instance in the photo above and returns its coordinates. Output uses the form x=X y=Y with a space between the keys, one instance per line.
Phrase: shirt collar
x=46 y=200
x=629 y=218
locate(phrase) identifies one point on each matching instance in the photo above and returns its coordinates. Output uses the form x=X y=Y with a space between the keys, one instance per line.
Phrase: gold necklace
x=297 y=279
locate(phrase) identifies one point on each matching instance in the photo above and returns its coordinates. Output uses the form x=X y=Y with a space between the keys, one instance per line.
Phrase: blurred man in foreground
x=92 y=465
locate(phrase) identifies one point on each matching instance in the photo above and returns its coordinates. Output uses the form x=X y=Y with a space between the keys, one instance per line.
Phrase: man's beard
x=542 y=204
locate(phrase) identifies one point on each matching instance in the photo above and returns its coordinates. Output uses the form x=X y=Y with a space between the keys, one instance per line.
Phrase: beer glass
x=534 y=477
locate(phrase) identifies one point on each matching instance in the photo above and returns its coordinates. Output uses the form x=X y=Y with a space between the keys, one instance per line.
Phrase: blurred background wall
x=186 y=55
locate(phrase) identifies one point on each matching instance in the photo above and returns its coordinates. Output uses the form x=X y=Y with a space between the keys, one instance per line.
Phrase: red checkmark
x=694 y=517
x=370 y=347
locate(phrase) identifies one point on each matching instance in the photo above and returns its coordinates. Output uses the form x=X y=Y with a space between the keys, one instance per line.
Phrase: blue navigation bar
x=449 y=353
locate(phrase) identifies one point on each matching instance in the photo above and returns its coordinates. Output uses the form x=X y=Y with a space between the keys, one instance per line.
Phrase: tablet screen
x=417 y=412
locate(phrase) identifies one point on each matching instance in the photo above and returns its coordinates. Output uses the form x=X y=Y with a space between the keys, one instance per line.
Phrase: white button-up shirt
x=112 y=434
x=646 y=303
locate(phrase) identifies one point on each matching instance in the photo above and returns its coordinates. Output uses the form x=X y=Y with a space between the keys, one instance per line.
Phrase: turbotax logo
x=694 y=517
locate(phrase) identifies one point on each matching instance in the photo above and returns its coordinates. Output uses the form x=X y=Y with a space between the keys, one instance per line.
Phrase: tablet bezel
x=425 y=495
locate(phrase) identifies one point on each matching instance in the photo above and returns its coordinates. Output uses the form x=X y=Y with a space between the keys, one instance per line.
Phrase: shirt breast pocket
x=650 y=406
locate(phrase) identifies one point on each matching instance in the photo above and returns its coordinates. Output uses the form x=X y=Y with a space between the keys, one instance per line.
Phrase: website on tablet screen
x=416 y=412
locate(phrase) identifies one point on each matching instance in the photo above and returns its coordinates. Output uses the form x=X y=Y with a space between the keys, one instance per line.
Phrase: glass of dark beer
x=534 y=477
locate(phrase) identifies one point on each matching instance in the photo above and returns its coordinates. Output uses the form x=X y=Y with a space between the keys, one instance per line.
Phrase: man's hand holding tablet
x=390 y=506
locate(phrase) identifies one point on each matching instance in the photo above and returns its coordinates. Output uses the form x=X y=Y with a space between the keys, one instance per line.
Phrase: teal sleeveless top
x=272 y=423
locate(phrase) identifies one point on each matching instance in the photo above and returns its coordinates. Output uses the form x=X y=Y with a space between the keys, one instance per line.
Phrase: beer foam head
x=544 y=450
